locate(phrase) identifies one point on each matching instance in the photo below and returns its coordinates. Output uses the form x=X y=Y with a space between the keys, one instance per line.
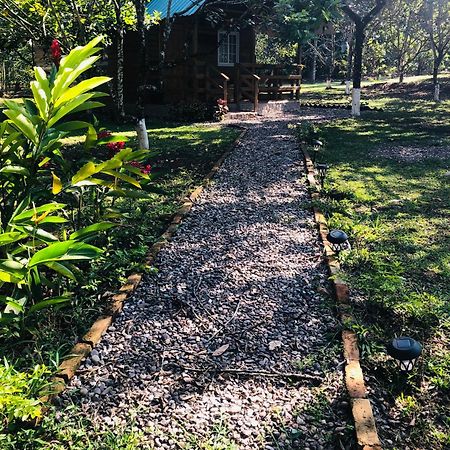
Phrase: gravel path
x=233 y=343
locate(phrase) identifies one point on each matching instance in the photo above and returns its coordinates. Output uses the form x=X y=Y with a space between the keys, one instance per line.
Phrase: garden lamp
x=406 y=351
x=322 y=171
x=338 y=241
x=316 y=145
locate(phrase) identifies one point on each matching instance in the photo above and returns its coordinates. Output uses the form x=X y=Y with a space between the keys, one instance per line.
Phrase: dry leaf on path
x=221 y=350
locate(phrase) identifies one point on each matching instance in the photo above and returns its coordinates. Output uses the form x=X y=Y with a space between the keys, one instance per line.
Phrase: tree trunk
x=118 y=91
x=348 y=75
x=435 y=71
x=401 y=75
x=357 y=66
x=141 y=129
x=331 y=62
x=357 y=69
x=314 y=63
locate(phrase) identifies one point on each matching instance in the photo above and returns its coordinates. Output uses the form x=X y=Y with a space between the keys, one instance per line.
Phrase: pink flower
x=147 y=169
x=221 y=102
x=55 y=50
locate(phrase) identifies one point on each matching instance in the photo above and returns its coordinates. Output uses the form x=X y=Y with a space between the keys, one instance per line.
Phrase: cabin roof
x=186 y=7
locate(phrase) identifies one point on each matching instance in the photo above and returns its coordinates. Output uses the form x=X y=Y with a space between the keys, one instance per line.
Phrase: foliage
x=298 y=20
x=396 y=216
x=19 y=392
x=192 y=111
x=69 y=429
x=38 y=248
x=307 y=132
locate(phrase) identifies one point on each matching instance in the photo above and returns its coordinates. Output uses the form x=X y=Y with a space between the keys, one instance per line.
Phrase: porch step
x=241 y=115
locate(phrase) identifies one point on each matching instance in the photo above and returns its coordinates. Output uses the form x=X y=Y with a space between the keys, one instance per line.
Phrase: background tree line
x=400 y=37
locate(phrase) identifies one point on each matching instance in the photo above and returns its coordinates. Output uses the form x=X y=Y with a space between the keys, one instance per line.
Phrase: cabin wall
x=179 y=72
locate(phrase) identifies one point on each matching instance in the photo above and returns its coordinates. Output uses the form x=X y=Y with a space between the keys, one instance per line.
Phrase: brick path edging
x=83 y=348
x=365 y=427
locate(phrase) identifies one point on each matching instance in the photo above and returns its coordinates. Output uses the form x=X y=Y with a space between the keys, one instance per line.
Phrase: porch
x=245 y=85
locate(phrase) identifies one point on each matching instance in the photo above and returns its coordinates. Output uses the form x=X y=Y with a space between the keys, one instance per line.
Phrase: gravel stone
x=244 y=274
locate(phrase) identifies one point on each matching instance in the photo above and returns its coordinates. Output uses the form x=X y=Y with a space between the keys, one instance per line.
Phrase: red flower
x=103 y=134
x=221 y=102
x=115 y=147
x=55 y=50
x=136 y=164
x=147 y=169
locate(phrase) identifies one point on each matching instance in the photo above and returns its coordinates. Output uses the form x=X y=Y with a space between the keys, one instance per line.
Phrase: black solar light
x=316 y=146
x=322 y=171
x=406 y=351
x=338 y=241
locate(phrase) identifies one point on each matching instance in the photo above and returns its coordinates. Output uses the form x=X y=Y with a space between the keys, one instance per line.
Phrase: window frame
x=220 y=34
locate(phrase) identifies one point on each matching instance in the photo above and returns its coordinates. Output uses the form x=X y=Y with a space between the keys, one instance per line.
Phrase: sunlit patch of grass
x=216 y=438
x=397 y=215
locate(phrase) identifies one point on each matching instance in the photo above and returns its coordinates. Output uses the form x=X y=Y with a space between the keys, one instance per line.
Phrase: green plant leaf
x=80 y=88
x=15 y=169
x=30 y=213
x=85 y=172
x=88 y=105
x=24 y=124
x=91 y=230
x=62 y=270
x=8 y=277
x=52 y=301
x=91 y=138
x=123 y=177
x=74 y=125
x=41 y=234
x=68 y=108
x=9 y=238
x=40 y=98
x=64 y=251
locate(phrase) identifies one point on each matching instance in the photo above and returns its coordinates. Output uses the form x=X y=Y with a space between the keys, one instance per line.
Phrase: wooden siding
x=180 y=73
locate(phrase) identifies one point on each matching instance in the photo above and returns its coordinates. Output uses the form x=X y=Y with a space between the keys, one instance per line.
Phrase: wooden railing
x=250 y=82
x=277 y=79
x=215 y=82
x=247 y=86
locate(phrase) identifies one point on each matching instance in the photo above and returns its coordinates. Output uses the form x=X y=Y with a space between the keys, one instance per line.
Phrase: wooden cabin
x=210 y=54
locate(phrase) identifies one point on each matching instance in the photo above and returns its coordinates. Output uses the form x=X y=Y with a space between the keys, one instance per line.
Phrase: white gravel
x=240 y=288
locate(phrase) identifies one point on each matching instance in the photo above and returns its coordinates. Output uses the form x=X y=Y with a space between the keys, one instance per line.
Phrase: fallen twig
x=259 y=373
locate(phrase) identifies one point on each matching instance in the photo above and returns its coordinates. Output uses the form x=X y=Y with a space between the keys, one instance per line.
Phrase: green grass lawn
x=397 y=214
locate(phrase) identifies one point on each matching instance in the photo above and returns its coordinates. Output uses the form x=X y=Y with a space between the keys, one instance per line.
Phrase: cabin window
x=228 y=50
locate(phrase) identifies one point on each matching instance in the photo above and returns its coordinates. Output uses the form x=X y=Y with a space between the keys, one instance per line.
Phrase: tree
x=72 y=22
x=404 y=33
x=436 y=14
x=359 y=15
x=300 y=21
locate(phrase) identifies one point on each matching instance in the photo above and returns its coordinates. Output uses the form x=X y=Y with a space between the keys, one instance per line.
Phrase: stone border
x=83 y=348
x=365 y=427
x=316 y=104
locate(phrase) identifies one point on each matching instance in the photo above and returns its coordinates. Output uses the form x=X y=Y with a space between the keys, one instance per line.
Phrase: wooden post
x=195 y=56
x=207 y=82
x=237 y=87
x=225 y=91
x=256 y=91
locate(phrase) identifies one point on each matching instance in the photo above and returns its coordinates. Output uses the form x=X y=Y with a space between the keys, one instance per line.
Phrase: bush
x=19 y=392
x=192 y=112
x=41 y=241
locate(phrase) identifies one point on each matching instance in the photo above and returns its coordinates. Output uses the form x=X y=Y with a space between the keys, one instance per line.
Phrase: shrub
x=192 y=112
x=19 y=393
x=38 y=247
